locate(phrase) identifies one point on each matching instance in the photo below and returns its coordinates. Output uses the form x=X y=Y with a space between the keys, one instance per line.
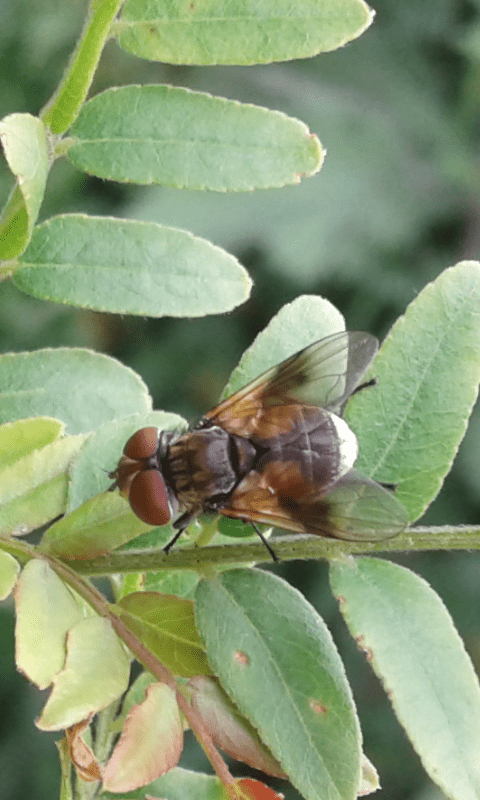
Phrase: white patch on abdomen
x=347 y=445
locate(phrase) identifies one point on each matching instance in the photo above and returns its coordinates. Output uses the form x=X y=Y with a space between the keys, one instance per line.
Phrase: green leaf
x=242 y=32
x=9 y=569
x=276 y=659
x=298 y=324
x=176 y=137
x=137 y=691
x=102 y=450
x=165 y=624
x=181 y=583
x=317 y=231
x=178 y=784
x=130 y=267
x=25 y=145
x=79 y=387
x=414 y=648
x=18 y=439
x=33 y=490
x=96 y=673
x=428 y=369
x=46 y=609
x=97 y=527
x=154 y=538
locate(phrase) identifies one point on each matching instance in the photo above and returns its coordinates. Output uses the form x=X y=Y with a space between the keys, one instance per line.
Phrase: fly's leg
x=392 y=487
x=366 y=385
x=172 y=541
x=182 y=523
x=265 y=542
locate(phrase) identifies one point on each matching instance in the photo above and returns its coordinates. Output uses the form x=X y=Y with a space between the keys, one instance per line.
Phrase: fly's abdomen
x=321 y=445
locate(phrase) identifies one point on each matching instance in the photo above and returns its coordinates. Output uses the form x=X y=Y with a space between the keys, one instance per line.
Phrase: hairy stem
x=287 y=548
x=63 y=107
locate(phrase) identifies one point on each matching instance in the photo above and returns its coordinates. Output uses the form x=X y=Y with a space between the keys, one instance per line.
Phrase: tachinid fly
x=276 y=452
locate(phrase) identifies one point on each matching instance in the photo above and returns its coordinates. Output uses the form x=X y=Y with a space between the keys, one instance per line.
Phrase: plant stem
x=63 y=107
x=66 y=770
x=22 y=551
x=61 y=111
x=287 y=548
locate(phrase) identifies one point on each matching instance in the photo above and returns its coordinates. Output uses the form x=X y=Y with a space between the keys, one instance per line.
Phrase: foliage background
x=396 y=202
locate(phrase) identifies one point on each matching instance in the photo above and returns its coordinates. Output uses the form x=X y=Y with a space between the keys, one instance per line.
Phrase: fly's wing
x=323 y=374
x=354 y=508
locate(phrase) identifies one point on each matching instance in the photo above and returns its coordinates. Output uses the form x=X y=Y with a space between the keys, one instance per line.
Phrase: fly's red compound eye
x=142 y=444
x=148 y=496
x=139 y=481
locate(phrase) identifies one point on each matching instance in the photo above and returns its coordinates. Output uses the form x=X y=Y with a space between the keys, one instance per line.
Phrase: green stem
x=66 y=770
x=22 y=551
x=287 y=548
x=62 y=109
x=59 y=114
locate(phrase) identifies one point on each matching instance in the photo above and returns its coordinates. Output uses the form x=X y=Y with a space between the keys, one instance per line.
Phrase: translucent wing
x=323 y=374
x=354 y=508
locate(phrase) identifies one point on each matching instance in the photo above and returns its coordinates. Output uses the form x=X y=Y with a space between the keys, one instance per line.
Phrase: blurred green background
x=398 y=200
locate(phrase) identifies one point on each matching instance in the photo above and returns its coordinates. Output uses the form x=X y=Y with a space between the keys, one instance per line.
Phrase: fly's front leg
x=181 y=523
x=366 y=385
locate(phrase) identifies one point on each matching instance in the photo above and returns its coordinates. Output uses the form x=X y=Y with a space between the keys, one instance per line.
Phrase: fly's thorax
x=200 y=466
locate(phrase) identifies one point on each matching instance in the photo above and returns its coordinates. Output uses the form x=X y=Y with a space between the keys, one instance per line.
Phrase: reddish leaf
x=150 y=744
x=228 y=729
x=255 y=790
